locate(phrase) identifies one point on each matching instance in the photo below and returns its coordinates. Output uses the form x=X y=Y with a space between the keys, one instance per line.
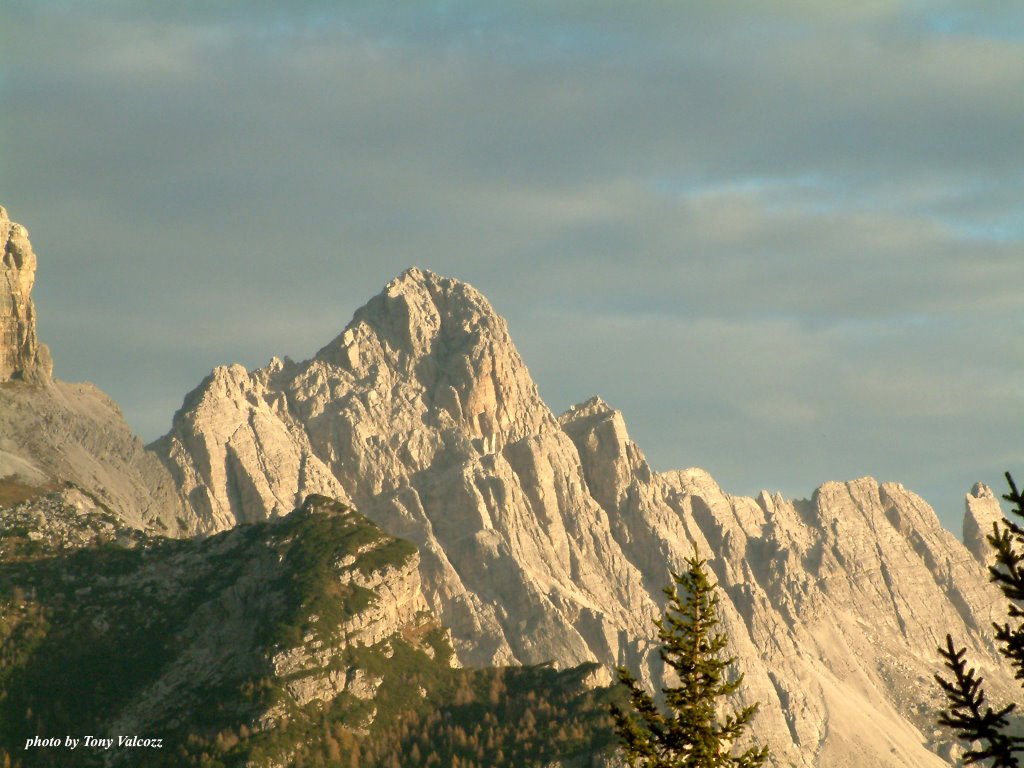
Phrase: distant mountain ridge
x=550 y=538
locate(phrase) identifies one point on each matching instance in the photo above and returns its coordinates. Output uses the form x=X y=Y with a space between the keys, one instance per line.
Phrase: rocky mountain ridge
x=540 y=537
x=545 y=538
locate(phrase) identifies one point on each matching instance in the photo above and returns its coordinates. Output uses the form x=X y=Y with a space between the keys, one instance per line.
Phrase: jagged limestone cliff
x=545 y=538
x=22 y=357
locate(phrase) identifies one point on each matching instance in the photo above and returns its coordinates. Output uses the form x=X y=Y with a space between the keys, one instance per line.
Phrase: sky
x=785 y=239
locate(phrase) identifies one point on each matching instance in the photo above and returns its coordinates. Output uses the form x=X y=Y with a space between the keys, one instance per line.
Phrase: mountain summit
x=444 y=345
x=545 y=538
x=423 y=412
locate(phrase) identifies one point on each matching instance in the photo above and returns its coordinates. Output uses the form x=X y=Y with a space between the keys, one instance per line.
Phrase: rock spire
x=21 y=355
x=981 y=512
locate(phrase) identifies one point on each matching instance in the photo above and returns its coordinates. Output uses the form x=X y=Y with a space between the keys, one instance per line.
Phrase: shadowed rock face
x=550 y=538
x=21 y=355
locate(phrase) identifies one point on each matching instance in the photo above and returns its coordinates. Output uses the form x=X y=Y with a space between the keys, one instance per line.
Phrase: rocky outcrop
x=62 y=521
x=981 y=513
x=238 y=456
x=550 y=538
x=310 y=668
x=22 y=357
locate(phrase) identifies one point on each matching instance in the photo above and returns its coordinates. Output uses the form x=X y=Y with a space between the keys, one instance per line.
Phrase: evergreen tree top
x=691 y=734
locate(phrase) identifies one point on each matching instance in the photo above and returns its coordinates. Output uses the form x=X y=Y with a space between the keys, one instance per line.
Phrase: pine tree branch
x=969 y=719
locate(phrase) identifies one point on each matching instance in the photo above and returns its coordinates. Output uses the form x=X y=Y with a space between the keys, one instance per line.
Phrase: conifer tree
x=986 y=731
x=691 y=734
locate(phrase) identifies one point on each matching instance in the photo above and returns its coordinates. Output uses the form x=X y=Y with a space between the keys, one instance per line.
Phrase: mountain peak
x=427 y=362
x=415 y=281
x=413 y=276
x=21 y=354
x=592 y=406
x=982 y=491
x=433 y=294
x=418 y=314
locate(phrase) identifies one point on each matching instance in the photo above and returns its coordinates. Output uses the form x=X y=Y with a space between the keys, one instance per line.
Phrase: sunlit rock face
x=21 y=355
x=550 y=538
x=981 y=512
x=424 y=415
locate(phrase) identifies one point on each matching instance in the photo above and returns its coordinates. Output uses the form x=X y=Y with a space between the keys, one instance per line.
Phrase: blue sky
x=785 y=241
